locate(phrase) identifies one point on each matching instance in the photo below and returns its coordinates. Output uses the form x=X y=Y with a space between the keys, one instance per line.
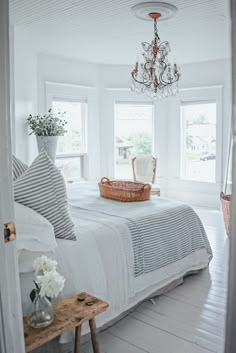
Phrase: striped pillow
x=43 y=189
x=18 y=167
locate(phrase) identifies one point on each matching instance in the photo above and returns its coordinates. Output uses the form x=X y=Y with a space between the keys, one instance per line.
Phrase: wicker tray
x=126 y=191
x=226 y=203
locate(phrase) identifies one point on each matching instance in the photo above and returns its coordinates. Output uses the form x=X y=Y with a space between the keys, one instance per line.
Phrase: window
x=72 y=147
x=198 y=141
x=71 y=168
x=133 y=135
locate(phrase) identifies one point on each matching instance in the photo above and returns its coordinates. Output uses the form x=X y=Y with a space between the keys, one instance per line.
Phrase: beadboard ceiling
x=107 y=32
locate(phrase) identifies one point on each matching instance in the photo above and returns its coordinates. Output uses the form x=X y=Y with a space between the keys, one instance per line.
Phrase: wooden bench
x=69 y=313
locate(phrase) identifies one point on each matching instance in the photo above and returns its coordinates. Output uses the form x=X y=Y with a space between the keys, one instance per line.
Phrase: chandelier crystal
x=154 y=75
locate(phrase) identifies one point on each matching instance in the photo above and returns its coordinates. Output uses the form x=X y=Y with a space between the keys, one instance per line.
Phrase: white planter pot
x=49 y=143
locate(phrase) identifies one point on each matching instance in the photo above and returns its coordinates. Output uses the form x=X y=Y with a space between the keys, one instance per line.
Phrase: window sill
x=198 y=181
x=70 y=155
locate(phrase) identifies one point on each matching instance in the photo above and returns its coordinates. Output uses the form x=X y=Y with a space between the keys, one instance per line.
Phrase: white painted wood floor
x=188 y=319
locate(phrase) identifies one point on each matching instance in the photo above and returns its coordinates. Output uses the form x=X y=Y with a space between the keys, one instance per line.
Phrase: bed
x=124 y=252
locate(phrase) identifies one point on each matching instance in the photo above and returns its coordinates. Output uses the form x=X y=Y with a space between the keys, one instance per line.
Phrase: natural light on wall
x=133 y=135
x=198 y=138
x=72 y=147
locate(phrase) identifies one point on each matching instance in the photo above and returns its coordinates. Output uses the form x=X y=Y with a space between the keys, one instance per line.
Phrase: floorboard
x=188 y=319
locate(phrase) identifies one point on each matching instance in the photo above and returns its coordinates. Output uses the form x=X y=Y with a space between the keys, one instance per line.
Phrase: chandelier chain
x=155 y=30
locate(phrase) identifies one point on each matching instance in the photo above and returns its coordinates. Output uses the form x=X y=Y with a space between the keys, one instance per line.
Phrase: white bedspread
x=101 y=260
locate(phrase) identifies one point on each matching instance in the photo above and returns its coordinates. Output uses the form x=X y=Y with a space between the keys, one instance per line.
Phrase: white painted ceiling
x=107 y=32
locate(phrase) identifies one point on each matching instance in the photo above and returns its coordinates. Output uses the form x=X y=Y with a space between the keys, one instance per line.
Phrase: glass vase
x=42 y=314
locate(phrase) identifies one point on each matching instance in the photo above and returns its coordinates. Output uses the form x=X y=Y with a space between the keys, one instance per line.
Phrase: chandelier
x=154 y=74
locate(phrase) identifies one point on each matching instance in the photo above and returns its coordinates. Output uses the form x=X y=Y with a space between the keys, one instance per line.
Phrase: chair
x=144 y=170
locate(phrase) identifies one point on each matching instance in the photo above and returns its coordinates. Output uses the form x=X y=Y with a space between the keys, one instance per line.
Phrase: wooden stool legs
x=77 y=338
x=92 y=325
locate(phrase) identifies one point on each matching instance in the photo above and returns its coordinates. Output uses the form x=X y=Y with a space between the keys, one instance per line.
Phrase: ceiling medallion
x=154 y=75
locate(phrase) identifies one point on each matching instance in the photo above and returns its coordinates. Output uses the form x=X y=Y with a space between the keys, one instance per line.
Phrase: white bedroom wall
x=63 y=70
x=25 y=93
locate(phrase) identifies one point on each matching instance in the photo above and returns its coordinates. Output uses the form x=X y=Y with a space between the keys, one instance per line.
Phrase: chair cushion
x=43 y=189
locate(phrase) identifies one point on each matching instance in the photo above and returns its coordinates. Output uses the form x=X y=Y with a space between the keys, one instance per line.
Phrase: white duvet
x=101 y=262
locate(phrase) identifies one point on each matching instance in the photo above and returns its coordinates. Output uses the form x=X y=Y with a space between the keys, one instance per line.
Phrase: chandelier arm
x=162 y=80
x=164 y=67
x=166 y=83
x=150 y=78
x=145 y=83
x=147 y=71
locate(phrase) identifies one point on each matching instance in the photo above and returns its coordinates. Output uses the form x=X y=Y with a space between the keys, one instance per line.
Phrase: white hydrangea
x=50 y=283
x=44 y=264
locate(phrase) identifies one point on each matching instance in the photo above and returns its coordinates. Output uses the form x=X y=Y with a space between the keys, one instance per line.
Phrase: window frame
x=198 y=96
x=70 y=92
x=84 y=132
x=137 y=103
x=107 y=148
x=81 y=155
x=183 y=134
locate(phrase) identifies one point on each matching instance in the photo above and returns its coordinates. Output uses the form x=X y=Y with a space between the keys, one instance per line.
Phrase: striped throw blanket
x=162 y=231
x=163 y=238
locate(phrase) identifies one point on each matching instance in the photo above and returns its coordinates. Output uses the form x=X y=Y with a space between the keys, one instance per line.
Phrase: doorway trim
x=11 y=333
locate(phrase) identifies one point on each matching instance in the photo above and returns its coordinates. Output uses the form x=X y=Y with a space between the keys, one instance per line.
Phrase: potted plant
x=47 y=128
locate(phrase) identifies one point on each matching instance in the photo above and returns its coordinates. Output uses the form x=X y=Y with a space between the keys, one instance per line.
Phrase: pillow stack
x=41 y=187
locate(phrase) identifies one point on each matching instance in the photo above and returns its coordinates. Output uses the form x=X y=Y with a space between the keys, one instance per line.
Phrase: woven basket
x=126 y=191
x=226 y=203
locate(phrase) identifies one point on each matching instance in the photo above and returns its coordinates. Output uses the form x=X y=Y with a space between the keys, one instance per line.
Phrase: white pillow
x=26 y=259
x=33 y=231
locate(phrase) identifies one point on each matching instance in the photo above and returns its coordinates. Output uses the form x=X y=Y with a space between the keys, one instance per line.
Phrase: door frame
x=11 y=325
x=230 y=338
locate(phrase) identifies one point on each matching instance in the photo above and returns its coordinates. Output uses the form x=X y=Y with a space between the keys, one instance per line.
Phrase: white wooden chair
x=144 y=170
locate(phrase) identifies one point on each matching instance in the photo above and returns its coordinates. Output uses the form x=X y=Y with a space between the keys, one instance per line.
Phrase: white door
x=230 y=339
x=11 y=328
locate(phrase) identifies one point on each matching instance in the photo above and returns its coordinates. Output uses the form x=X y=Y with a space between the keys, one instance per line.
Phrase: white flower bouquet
x=49 y=283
